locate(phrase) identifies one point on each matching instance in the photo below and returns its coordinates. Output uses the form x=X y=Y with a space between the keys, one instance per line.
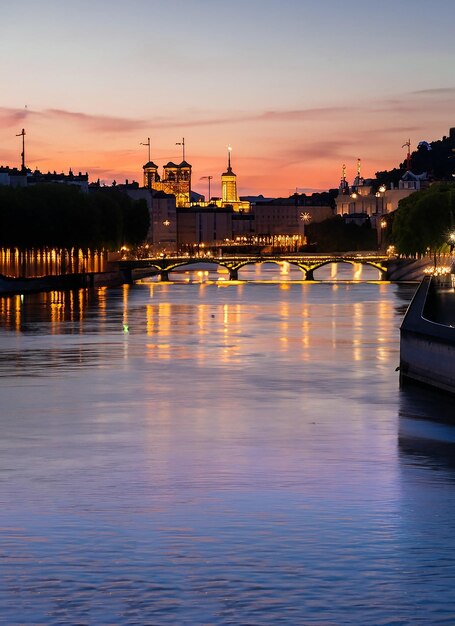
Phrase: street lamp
x=380 y=194
x=305 y=218
x=452 y=241
x=209 y=178
x=383 y=225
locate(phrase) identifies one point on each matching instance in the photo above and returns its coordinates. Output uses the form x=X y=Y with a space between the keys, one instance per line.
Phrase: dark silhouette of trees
x=436 y=158
x=424 y=220
x=334 y=235
x=62 y=216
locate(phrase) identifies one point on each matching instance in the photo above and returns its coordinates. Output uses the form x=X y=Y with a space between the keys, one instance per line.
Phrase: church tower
x=229 y=183
x=151 y=175
x=344 y=187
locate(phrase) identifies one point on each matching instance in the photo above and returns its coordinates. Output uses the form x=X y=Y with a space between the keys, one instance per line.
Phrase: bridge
x=307 y=263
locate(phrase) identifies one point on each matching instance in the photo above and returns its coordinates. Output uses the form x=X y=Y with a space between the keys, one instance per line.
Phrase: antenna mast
x=147 y=144
x=182 y=143
x=408 y=156
x=22 y=134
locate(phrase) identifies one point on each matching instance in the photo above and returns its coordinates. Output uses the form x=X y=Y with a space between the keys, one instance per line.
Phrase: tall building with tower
x=176 y=180
x=229 y=184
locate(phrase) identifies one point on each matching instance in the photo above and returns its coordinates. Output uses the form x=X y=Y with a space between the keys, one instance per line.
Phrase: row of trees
x=64 y=217
x=333 y=235
x=425 y=220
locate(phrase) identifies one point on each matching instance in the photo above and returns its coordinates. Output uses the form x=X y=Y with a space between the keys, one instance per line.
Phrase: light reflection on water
x=240 y=456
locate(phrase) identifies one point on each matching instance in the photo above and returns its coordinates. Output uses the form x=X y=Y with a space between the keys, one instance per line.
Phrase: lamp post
x=209 y=178
x=354 y=197
x=305 y=217
x=452 y=241
x=382 y=191
x=383 y=225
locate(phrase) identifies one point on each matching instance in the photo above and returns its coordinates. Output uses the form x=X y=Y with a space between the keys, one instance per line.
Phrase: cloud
x=437 y=91
x=13 y=117
x=320 y=150
x=97 y=123
x=291 y=115
x=94 y=123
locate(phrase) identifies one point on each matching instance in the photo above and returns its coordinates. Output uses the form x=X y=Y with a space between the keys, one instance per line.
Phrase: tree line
x=62 y=216
x=425 y=220
x=334 y=235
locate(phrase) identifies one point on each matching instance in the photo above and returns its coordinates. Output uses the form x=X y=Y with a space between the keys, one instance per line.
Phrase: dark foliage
x=424 y=220
x=438 y=162
x=64 y=217
x=333 y=235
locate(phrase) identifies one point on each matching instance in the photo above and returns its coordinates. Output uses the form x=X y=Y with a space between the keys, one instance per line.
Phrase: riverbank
x=11 y=286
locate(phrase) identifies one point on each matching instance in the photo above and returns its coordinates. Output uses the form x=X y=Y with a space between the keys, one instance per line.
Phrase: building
x=199 y=226
x=281 y=222
x=365 y=197
x=176 y=180
x=162 y=233
x=12 y=177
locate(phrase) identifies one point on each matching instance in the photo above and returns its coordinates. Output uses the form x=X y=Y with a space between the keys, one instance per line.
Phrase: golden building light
x=229 y=183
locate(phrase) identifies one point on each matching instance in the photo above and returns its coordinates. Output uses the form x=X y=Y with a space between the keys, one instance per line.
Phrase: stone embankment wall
x=9 y=286
x=408 y=269
x=414 y=269
x=427 y=347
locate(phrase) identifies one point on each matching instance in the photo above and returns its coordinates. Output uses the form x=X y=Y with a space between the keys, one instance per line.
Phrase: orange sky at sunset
x=292 y=108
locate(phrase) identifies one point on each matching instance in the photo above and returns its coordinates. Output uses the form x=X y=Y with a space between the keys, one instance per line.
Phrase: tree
x=424 y=220
x=62 y=216
x=333 y=235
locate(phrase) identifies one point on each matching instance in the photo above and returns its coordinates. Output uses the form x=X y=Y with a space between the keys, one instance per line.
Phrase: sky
x=296 y=87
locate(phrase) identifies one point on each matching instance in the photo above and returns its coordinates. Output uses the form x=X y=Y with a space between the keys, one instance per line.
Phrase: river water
x=215 y=453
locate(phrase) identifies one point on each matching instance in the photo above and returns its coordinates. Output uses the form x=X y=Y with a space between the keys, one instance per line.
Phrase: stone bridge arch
x=347 y=261
x=164 y=266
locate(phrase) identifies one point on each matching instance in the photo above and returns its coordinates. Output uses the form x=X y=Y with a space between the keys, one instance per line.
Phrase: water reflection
x=427 y=427
x=16 y=263
x=232 y=458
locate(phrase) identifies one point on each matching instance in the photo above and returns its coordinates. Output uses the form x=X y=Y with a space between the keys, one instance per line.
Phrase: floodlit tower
x=151 y=175
x=229 y=183
x=344 y=187
x=358 y=181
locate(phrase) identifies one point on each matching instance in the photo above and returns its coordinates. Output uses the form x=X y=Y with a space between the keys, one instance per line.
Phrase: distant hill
x=437 y=158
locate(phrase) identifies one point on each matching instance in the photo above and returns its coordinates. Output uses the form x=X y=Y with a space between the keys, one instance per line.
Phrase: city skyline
x=296 y=89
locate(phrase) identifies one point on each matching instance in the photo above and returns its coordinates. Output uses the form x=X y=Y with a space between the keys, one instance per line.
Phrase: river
x=216 y=453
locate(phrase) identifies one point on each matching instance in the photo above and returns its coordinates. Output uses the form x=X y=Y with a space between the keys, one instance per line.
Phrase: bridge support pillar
x=164 y=276
x=233 y=273
x=127 y=276
x=309 y=275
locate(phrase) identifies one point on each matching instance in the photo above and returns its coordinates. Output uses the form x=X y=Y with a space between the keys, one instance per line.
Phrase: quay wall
x=10 y=286
x=427 y=348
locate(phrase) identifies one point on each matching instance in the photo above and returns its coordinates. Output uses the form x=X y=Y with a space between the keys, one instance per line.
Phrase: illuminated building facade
x=176 y=180
x=229 y=184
